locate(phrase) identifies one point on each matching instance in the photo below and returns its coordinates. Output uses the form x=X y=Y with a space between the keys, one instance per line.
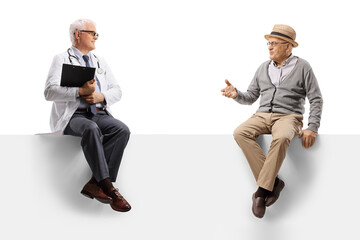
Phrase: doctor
x=84 y=112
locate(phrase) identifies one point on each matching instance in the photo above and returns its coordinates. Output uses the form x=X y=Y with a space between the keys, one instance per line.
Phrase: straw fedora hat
x=284 y=32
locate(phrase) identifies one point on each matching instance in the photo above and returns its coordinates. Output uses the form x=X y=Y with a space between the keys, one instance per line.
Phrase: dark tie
x=92 y=106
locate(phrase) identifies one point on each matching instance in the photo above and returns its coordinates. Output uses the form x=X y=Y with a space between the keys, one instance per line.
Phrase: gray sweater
x=289 y=96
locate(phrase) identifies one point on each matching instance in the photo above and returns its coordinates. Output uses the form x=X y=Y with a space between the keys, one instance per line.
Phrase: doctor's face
x=86 y=39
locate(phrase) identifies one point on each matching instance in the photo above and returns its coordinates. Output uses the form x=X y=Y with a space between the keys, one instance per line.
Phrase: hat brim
x=295 y=44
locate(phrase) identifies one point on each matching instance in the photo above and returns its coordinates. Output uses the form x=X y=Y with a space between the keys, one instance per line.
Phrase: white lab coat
x=64 y=98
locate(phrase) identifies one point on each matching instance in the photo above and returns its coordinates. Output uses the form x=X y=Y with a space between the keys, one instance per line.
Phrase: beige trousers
x=283 y=127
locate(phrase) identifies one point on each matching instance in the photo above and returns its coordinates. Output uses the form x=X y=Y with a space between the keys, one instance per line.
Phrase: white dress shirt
x=278 y=74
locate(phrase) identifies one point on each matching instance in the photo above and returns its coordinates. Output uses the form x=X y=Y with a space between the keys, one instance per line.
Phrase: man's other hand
x=93 y=98
x=308 y=138
x=88 y=88
x=229 y=91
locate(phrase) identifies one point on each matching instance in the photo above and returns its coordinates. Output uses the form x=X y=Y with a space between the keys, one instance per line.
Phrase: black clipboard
x=76 y=76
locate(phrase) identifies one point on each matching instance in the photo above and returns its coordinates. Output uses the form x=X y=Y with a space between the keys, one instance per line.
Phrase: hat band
x=281 y=35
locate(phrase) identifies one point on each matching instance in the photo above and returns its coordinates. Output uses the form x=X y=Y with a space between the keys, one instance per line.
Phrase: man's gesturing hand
x=88 y=88
x=308 y=138
x=229 y=91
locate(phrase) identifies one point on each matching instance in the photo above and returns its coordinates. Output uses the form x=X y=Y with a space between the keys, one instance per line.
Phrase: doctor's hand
x=229 y=91
x=308 y=138
x=93 y=98
x=88 y=88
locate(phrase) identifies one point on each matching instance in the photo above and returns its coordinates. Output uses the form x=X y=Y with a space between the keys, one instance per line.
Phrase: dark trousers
x=103 y=140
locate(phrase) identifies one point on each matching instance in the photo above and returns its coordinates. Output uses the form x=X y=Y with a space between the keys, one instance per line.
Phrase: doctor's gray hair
x=79 y=24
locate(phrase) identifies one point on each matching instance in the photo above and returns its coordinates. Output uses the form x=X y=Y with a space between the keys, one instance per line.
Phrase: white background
x=180 y=187
x=171 y=59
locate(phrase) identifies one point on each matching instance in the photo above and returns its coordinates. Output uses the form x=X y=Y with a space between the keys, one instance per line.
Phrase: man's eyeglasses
x=274 y=44
x=92 y=33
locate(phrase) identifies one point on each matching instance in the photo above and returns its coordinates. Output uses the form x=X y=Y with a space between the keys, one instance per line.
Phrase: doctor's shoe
x=258 y=207
x=274 y=195
x=119 y=203
x=92 y=190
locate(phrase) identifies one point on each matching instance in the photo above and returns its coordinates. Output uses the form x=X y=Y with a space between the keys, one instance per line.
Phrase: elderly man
x=283 y=83
x=84 y=112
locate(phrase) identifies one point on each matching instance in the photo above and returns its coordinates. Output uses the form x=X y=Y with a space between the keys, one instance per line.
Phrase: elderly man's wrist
x=238 y=96
x=312 y=127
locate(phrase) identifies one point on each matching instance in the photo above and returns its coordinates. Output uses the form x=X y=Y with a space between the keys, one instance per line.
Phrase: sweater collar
x=287 y=61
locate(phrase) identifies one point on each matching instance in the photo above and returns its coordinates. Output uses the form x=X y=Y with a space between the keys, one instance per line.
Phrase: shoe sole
x=120 y=210
x=102 y=200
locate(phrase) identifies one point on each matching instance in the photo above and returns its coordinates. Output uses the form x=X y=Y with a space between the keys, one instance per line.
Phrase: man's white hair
x=79 y=24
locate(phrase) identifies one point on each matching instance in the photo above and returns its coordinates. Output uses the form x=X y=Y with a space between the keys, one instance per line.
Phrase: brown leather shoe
x=119 y=203
x=274 y=195
x=258 y=207
x=92 y=190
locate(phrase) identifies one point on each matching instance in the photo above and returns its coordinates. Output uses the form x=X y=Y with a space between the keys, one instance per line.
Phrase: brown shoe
x=119 y=203
x=258 y=207
x=274 y=195
x=92 y=190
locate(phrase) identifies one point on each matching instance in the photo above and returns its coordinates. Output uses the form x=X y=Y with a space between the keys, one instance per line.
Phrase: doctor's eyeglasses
x=92 y=33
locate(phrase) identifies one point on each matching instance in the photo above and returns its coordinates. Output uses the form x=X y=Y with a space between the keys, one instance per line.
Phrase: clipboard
x=76 y=76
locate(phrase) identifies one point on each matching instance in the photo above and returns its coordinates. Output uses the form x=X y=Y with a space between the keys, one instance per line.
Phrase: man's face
x=279 y=50
x=87 y=39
